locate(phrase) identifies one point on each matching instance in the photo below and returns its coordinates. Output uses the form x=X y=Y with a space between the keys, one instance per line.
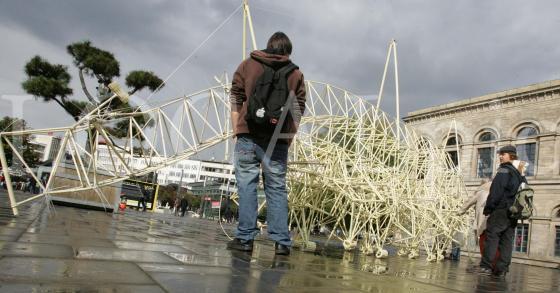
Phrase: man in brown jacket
x=256 y=149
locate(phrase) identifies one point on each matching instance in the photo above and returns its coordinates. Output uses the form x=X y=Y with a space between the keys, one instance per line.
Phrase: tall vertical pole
x=7 y=179
x=397 y=119
x=383 y=78
x=205 y=209
x=250 y=20
x=228 y=121
x=244 y=47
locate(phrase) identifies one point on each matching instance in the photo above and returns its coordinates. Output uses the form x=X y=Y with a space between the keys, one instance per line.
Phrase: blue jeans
x=249 y=158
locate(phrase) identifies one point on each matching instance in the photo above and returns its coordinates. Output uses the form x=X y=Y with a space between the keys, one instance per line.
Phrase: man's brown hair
x=279 y=44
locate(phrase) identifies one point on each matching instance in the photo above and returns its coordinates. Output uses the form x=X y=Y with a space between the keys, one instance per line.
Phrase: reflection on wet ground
x=76 y=250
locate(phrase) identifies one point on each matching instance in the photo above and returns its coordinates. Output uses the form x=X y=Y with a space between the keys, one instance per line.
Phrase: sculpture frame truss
x=351 y=168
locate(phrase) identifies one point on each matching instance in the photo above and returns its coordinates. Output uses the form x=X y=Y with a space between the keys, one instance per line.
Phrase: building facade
x=185 y=172
x=46 y=146
x=472 y=130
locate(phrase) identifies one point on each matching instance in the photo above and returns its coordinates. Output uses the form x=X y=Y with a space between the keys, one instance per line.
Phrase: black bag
x=268 y=101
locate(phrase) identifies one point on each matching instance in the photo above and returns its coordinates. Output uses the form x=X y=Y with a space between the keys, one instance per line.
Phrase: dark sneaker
x=485 y=271
x=241 y=245
x=280 y=249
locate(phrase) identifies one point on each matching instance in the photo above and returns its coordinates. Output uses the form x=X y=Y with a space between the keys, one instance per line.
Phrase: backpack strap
x=266 y=80
x=286 y=70
x=270 y=74
x=513 y=170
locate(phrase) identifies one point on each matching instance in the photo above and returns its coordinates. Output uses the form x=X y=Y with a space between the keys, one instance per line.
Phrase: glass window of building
x=527 y=131
x=451 y=150
x=521 y=238
x=487 y=137
x=453 y=159
x=527 y=151
x=557 y=242
x=485 y=155
x=485 y=162
x=451 y=141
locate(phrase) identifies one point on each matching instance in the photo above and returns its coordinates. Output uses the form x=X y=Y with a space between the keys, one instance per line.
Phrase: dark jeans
x=250 y=157
x=500 y=230
x=142 y=202
x=481 y=243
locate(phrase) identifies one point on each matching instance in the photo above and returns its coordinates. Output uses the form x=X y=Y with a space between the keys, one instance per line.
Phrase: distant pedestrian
x=176 y=206
x=34 y=186
x=144 y=198
x=184 y=205
x=228 y=214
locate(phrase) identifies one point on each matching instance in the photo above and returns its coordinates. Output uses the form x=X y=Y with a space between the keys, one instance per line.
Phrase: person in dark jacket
x=184 y=205
x=147 y=196
x=252 y=152
x=500 y=228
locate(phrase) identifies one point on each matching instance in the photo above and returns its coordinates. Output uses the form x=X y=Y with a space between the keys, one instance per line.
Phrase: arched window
x=452 y=141
x=486 y=137
x=485 y=154
x=527 y=147
x=526 y=132
x=451 y=149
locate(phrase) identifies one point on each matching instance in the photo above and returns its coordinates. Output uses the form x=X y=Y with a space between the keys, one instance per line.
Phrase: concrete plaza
x=77 y=250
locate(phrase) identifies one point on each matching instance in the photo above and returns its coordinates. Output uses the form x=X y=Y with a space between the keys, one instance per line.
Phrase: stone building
x=527 y=117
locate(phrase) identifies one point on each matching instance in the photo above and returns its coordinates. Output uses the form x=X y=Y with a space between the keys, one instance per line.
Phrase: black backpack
x=268 y=101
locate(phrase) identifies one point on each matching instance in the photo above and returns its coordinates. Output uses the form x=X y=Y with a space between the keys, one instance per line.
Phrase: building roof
x=494 y=97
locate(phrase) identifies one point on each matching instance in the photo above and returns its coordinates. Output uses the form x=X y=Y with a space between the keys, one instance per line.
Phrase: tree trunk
x=66 y=109
x=84 y=88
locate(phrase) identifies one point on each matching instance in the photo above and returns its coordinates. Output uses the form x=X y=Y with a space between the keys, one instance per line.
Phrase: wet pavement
x=77 y=250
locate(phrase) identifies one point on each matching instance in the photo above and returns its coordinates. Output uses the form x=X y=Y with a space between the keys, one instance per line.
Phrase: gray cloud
x=448 y=50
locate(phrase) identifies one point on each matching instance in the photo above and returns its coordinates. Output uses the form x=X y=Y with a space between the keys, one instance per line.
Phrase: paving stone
x=124 y=238
x=185 y=269
x=11 y=238
x=18 y=269
x=314 y=290
x=149 y=246
x=14 y=224
x=196 y=259
x=393 y=284
x=173 y=282
x=35 y=249
x=46 y=230
x=63 y=239
x=98 y=288
x=5 y=231
x=90 y=252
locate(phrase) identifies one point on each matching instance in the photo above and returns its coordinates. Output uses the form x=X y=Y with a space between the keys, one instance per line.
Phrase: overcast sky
x=448 y=50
